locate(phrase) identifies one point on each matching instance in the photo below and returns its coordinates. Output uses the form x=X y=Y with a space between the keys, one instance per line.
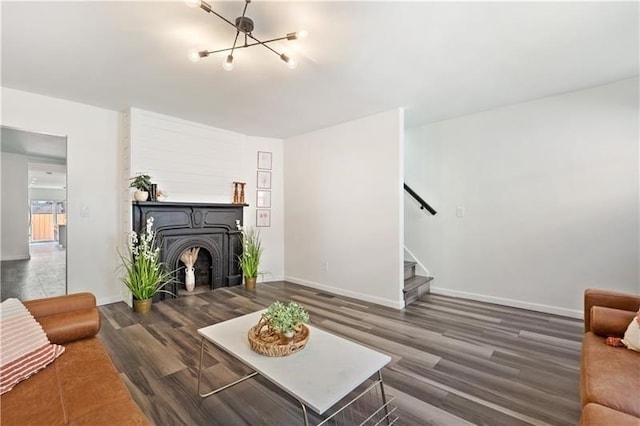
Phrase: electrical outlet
x=325 y=266
x=460 y=211
x=84 y=211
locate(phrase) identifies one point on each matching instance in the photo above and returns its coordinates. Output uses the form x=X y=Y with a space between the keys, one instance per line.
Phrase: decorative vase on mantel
x=250 y=283
x=153 y=192
x=141 y=195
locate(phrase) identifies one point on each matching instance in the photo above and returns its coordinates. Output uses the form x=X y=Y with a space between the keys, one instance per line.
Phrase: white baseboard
x=18 y=257
x=342 y=292
x=268 y=278
x=547 y=309
x=108 y=299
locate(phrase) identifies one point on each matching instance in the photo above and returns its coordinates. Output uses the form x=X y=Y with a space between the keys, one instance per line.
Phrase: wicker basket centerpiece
x=280 y=331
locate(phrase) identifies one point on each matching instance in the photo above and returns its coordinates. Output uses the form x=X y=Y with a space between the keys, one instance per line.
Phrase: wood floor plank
x=455 y=361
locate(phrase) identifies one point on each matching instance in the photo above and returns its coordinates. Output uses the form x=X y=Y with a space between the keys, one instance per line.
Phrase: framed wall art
x=263 y=217
x=264 y=180
x=264 y=160
x=263 y=198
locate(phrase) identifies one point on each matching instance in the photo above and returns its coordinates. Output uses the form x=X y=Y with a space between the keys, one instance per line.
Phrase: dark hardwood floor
x=454 y=361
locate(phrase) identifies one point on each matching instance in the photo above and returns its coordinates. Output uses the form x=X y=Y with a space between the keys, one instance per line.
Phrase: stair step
x=409 y=269
x=415 y=282
x=415 y=287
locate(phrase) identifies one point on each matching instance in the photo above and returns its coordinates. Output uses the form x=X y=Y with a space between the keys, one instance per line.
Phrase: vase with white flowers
x=249 y=260
x=145 y=275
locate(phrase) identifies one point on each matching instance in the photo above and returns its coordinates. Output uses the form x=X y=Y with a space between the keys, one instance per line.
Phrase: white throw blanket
x=24 y=346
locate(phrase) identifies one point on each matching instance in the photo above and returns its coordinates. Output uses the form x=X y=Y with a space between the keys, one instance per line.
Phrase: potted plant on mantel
x=142 y=184
x=249 y=260
x=145 y=275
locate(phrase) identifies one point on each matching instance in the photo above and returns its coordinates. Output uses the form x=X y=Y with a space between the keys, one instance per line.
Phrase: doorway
x=34 y=221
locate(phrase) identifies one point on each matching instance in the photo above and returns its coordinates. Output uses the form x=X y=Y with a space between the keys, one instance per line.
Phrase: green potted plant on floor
x=145 y=275
x=142 y=184
x=249 y=260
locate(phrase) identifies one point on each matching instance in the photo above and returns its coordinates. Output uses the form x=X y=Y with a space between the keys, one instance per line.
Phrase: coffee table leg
x=220 y=389
x=304 y=413
x=384 y=398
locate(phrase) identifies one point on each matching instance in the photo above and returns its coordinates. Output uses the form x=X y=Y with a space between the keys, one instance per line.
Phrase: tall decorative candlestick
x=241 y=200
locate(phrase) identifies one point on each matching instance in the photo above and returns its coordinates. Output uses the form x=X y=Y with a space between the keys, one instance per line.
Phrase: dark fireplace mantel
x=180 y=226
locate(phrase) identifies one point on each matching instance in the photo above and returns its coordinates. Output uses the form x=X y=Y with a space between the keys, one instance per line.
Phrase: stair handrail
x=419 y=199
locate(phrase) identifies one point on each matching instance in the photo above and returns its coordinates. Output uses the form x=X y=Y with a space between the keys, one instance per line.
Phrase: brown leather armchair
x=609 y=376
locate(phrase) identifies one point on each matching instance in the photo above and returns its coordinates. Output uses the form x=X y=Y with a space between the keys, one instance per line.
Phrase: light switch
x=84 y=211
x=460 y=211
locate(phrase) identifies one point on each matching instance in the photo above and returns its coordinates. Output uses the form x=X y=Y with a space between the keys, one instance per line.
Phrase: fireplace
x=181 y=226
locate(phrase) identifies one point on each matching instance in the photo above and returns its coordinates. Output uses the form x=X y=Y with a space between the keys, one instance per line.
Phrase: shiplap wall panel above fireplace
x=190 y=161
x=196 y=163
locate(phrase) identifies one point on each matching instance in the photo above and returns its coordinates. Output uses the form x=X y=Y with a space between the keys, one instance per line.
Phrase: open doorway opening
x=34 y=221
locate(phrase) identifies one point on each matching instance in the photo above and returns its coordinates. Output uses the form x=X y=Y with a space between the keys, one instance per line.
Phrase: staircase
x=414 y=285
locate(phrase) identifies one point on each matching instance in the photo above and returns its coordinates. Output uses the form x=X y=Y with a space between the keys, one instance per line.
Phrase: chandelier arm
x=207 y=8
x=211 y=52
x=235 y=41
x=244 y=11
x=264 y=43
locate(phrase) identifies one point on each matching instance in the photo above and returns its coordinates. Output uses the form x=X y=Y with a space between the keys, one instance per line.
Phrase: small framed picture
x=264 y=160
x=263 y=217
x=263 y=198
x=264 y=180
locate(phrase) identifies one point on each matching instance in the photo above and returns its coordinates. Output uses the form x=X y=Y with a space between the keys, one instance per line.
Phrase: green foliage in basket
x=285 y=318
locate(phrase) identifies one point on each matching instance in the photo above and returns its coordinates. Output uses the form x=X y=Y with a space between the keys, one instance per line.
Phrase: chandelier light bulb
x=194 y=55
x=228 y=63
x=297 y=35
x=291 y=63
x=192 y=3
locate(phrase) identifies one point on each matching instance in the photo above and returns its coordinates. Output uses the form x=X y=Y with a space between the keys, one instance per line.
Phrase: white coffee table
x=318 y=376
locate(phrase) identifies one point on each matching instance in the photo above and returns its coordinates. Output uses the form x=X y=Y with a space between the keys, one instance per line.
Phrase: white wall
x=198 y=163
x=47 y=194
x=191 y=161
x=343 y=208
x=550 y=191
x=93 y=183
x=15 y=204
x=272 y=263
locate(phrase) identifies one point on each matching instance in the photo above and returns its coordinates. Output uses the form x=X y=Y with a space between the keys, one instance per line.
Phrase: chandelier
x=243 y=26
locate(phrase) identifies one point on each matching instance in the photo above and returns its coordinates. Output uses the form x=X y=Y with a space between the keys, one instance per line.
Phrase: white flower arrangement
x=249 y=260
x=145 y=275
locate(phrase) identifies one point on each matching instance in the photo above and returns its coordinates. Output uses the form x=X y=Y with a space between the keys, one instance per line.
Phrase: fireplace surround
x=181 y=226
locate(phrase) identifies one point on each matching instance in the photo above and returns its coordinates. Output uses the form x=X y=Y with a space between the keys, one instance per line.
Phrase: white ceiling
x=47 y=175
x=46 y=154
x=437 y=59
